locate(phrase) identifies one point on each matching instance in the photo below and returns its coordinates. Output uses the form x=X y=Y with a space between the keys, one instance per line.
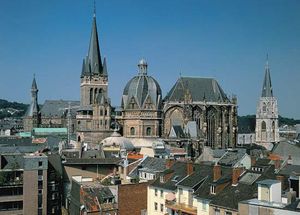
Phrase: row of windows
x=161 y=207
x=148 y=131
x=161 y=192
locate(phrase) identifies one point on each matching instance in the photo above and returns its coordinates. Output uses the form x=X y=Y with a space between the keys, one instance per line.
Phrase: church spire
x=34 y=107
x=267 y=90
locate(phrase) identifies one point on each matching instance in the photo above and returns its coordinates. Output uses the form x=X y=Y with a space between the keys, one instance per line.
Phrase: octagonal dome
x=142 y=90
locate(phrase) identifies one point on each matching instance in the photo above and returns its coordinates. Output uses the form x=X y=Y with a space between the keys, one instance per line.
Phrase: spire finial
x=267 y=61
x=94 y=8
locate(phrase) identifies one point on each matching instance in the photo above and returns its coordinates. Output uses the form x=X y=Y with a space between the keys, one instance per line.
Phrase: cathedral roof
x=141 y=89
x=92 y=64
x=267 y=90
x=200 y=89
x=57 y=108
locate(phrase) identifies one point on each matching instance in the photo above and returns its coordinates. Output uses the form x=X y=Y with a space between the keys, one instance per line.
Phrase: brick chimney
x=189 y=168
x=236 y=172
x=217 y=172
x=169 y=163
x=277 y=164
x=253 y=160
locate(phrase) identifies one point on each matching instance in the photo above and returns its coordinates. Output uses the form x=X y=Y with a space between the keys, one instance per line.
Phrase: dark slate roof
x=92 y=64
x=93 y=161
x=201 y=89
x=150 y=165
x=12 y=161
x=178 y=172
x=267 y=90
x=289 y=170
x=230 y=158
x=201 y=172
x=59 y=108
x=232 y=195
x=141 y=89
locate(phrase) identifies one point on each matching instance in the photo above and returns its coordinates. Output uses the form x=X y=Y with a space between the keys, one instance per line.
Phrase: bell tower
x=266 y=129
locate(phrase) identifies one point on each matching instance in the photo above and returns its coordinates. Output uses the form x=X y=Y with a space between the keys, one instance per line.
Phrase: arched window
x=263 y=131
x=132 y=131
x=95 y=95
x=101 y=112
x=78 y=139
x=264 y=107
x=148 y=131
x=211 y=128
x=91 y=95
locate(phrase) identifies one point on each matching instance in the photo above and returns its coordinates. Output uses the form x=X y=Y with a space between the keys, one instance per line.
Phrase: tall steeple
x=92 y=64
x=34 y=107
x=267 y=90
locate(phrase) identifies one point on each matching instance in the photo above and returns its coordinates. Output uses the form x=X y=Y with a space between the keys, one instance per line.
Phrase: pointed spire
x=34 y=85
x=267 y=90
x=104 y=72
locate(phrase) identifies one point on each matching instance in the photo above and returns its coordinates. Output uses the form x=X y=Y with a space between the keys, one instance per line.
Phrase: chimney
x=217 y=172
x=290 y=160
x=236 y=172
x=277 y=164
x=291 y=196
x=189 y=168
x=169 y=163
x=281 y=179
x=253 y=160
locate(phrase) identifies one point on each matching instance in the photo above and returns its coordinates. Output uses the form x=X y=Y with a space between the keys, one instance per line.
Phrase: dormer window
x=212 y=189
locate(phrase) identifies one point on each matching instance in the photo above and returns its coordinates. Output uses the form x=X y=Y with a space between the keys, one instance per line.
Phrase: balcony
x=183 y=208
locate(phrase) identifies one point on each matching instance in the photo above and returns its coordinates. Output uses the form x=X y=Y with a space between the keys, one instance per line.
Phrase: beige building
x=23 y=184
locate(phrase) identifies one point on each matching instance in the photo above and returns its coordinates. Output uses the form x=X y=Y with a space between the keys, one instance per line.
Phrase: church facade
x=266 y=129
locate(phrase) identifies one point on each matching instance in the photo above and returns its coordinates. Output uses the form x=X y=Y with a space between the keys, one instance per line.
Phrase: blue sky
x=227 y=40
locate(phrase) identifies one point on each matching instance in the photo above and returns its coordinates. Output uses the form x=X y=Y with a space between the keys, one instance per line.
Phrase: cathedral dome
x=142 y=91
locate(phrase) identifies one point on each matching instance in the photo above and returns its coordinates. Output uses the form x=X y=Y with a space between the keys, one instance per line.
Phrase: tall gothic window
x=91 y=95
x=211 y=127
x=95 y=95
x=197 y=117
x=263 y=130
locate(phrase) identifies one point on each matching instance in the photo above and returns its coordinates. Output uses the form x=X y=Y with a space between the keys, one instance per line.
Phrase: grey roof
x=92 y=64
x=290 y=170
x=268 y=182
x=140 y=90
x=200 y=89
x=178 y=171
x=150 y=165
x=230 y=158
x=267 y=90
x=92 y=161
x=249 y=178
x=59 y=108
x=286 y=149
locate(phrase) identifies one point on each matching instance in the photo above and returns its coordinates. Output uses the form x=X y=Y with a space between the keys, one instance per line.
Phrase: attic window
x=213 y=189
